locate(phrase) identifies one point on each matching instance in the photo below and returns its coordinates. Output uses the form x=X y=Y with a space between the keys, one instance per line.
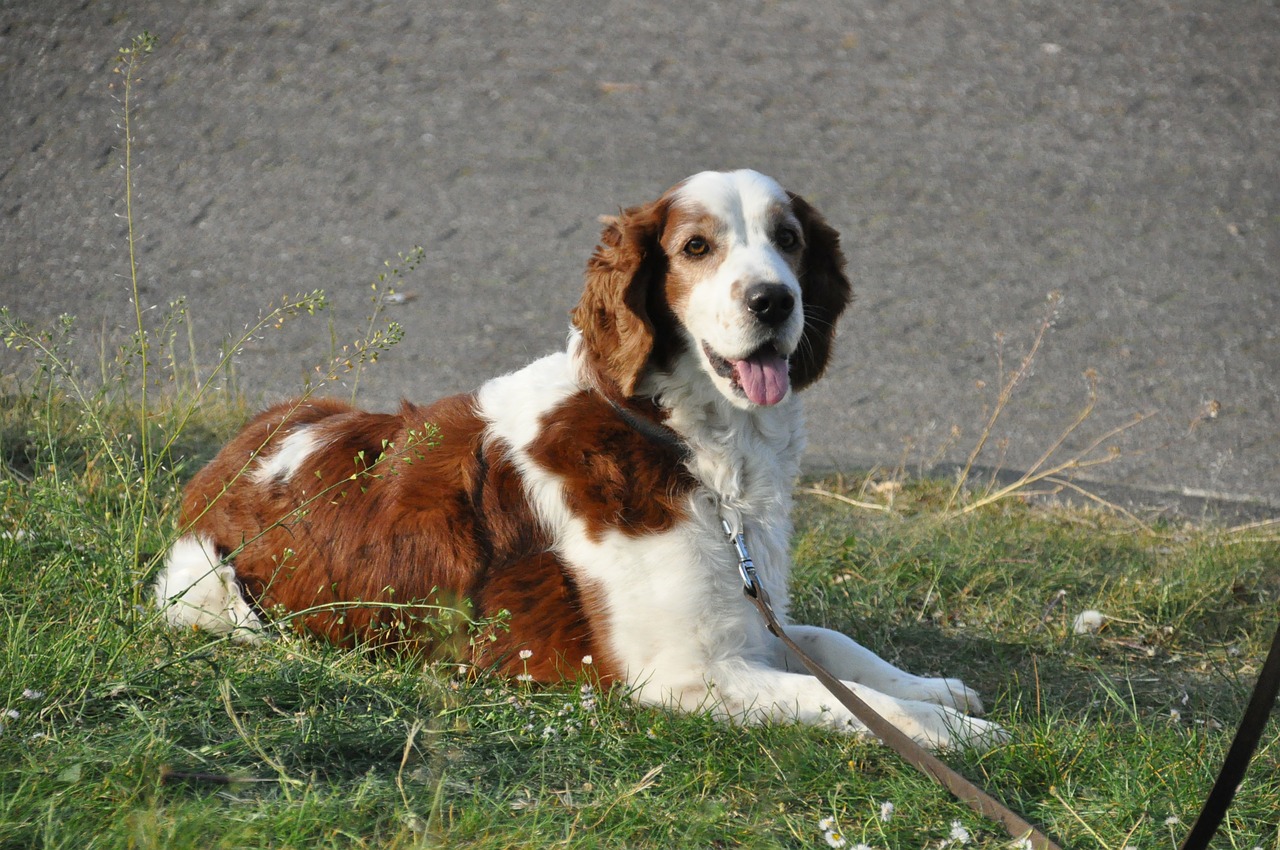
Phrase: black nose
x=771 y=303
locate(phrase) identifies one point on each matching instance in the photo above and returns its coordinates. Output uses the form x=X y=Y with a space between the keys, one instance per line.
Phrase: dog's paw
x=944 y=728
x=951 y=693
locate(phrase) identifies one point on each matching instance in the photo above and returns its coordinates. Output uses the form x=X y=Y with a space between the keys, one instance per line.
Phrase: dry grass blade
x=1098 y=500
x=856 y=503
x=224 y=690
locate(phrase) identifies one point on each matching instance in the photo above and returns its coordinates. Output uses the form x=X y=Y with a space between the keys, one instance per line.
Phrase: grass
x=128 y=734
x=119 y=732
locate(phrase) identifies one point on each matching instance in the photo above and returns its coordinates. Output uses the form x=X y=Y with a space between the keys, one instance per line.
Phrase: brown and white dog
x=579 y=499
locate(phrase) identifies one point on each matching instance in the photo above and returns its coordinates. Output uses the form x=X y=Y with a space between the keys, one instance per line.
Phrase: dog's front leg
x=753 y=693
x=848 y=659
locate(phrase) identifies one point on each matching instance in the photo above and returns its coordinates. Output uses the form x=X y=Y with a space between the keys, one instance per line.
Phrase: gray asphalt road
x=976 y=154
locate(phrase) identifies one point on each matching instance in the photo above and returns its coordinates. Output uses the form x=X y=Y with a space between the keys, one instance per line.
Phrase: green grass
x=145 y=737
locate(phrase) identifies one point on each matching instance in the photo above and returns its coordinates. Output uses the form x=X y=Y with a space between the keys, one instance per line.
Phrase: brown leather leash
x=1241 y=752
x=915 y=755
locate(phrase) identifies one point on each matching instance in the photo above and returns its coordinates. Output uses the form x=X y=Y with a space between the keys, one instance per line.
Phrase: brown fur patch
x=623 y=301
x=614 y=477
x=824 y=289
x=404 y=521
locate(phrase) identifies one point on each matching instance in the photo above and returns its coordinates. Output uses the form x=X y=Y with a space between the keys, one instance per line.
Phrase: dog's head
x=726 y=268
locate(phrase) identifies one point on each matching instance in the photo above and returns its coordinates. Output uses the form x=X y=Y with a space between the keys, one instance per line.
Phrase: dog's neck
x=749 y=455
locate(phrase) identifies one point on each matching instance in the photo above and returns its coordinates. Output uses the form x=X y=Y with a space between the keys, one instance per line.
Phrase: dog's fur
x=583 y=494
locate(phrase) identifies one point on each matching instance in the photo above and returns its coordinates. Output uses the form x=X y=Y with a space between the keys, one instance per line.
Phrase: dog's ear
x=824 y=289
x=623 y=282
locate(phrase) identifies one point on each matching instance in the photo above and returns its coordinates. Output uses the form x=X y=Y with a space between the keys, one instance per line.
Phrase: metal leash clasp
x=746 y=567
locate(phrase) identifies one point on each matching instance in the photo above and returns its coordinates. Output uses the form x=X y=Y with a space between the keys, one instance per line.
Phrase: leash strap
x=893 y=737
x=1241 y=752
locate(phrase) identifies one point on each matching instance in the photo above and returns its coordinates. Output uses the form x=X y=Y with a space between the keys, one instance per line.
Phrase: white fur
x=294 y=450
x=750 y=207
x=197 y=590
x=678 y=622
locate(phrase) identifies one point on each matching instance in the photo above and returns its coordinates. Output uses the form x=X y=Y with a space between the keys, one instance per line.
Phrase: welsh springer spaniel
x=576 y=505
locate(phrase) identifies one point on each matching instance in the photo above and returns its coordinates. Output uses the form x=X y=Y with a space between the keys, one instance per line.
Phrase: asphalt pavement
x=977 y=155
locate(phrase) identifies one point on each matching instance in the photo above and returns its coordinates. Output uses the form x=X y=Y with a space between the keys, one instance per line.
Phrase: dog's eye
x=787 y=239
x=696 y=247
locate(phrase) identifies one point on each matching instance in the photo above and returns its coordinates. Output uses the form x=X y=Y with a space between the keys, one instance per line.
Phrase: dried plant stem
x=1078 y=461
x=827 y=494
x=130 y=62
x=1006 y=393
x=1095 y=498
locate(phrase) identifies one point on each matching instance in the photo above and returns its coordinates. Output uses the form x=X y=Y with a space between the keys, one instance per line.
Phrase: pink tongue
x=763 y=377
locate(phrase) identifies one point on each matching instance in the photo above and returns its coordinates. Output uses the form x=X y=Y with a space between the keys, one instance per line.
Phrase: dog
x=580 y=500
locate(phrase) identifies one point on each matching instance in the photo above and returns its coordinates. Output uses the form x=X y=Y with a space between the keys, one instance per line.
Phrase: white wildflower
x=28 y=693
x=1089 y=622
x=524 y=677
x=1172 y=820
x=886 y=812
x=827 y=824
x=588 y=660
x=526 y=654
x=834 y=839
x=959 y=834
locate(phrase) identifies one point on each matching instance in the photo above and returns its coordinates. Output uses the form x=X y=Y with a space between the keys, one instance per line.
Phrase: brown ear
x=824 y=289
x=623 y=274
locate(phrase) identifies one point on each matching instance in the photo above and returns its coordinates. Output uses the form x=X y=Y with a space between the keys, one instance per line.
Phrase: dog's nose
x=771 y=303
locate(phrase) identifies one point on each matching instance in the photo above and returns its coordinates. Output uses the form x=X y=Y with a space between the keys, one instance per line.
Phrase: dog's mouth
x=763 y=377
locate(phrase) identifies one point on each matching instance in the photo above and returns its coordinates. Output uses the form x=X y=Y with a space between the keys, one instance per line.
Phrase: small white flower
x=1172 y=820
x=862 y=847
x=1089 y=622
x=959 y=834
x=834 y=839
x=12 y=714
x=524 y=677
x=1025 y=844
x=886 y=812
x=588 y=660
x=27 y=693
x=526 y=654
x=827 y=824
